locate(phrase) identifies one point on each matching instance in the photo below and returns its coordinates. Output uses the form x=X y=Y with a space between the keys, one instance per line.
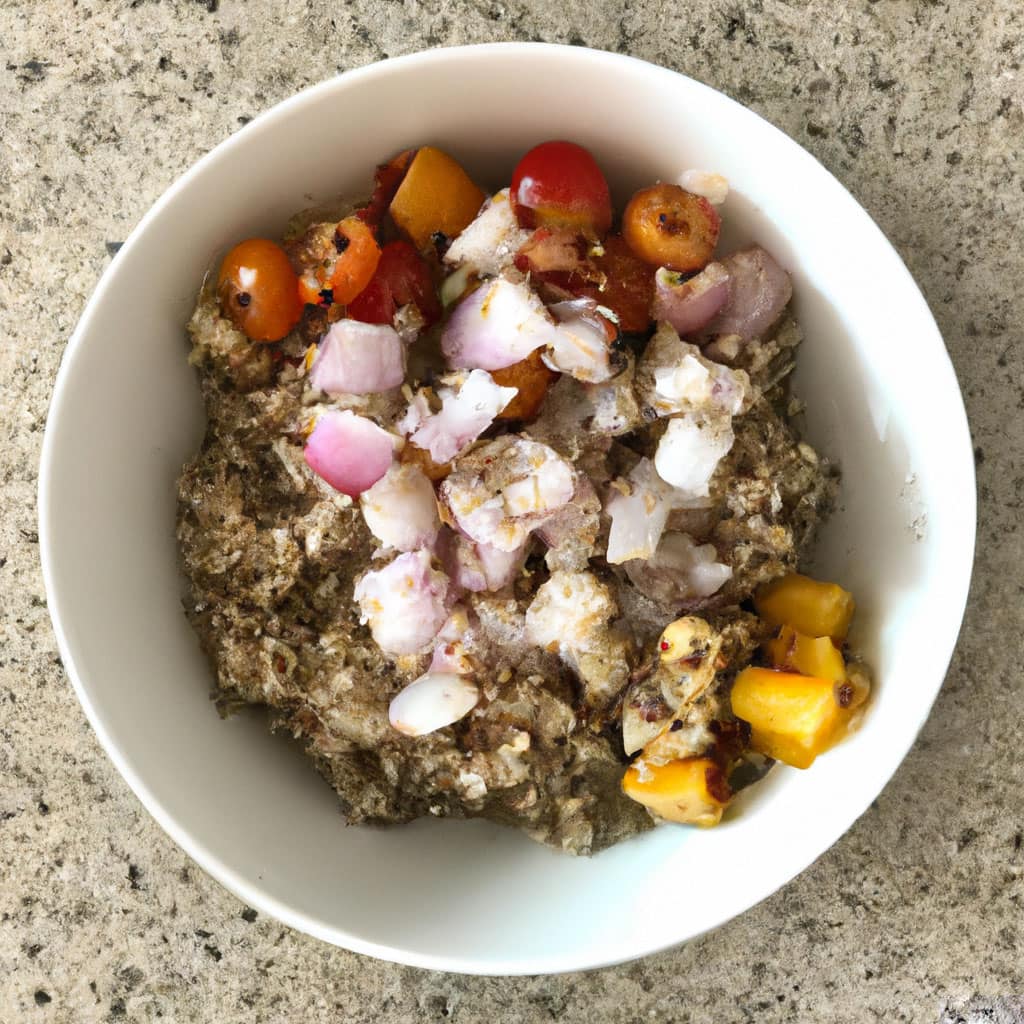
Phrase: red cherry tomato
x=401 y=277
x=558 y=184
x=258 y=290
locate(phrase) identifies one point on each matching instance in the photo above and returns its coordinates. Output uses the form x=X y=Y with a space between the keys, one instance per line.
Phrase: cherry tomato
x=558 y=184
x=401 y=277
x=346 y=268
x=669 y=227
x=258 y=290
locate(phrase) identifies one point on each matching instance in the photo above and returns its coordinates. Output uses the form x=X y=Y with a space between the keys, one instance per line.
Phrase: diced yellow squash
x=692 y=791
x=792 y=718
x=436 y=194
x=809 y=606
x=808 y=655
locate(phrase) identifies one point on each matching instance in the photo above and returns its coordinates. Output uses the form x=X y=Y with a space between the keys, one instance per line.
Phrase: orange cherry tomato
x=346 y=269
x=667 y=226
x=258 y=290
x=558 y=184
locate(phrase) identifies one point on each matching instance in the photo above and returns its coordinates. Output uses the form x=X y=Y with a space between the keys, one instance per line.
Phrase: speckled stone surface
x=916 y=914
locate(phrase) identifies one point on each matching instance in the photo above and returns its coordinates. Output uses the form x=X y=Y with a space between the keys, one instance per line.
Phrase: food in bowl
x=500 y=510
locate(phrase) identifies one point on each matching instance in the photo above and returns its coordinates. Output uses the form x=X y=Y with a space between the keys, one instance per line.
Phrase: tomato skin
x=258 y=290
x=628 y=285
x=612 y=276
x=387 y=179
x=402 y=276
x=558 y=184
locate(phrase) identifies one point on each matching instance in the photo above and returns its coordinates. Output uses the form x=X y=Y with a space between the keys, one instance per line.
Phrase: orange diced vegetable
x=792 y=718
x=532 y=378
x=692 y=791
x=808 y=655
x=809 y=606
x=435 y=195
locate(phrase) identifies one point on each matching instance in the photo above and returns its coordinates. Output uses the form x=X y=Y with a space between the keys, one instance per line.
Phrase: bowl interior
x=468 y=896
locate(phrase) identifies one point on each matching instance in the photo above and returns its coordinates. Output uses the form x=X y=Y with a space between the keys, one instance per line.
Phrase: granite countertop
x=915 y=915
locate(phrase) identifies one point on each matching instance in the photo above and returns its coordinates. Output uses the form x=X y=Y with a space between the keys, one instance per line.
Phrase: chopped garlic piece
x=713 y=187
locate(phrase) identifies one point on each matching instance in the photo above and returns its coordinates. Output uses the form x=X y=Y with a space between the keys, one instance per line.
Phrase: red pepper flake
x=279 y=663
x=664 y=645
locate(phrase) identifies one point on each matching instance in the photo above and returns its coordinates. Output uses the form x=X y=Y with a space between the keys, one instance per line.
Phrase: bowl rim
x=958 y=568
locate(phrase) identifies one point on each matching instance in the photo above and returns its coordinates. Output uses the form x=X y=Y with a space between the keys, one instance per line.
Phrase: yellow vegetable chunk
x=808 y=655
x=792 y=718
x=435 y=195
x=809 y=606
x=692 y=791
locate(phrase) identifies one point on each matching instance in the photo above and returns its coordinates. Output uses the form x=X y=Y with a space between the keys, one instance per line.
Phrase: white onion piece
x=567 y=610
x=690 y=450
x=570 y=615
x=404 y=603
x=450 y=653
x=414 y=415
x=500 y=567
x=690 y=305
x=358 y=359
x=680 y=570
x=450 y=658
x=697 y=384
x=675 y=377
x=759 y=290
x=499 y=324
x=579 y=345
x=401 y=509
x=465 y=414
x=510 y=488
x=639 y=517
x=478 y=567
x=713 y=187
x=350 y=452
x=491 y=241
x=455 y=627
x=550 y=486
x=431 y=702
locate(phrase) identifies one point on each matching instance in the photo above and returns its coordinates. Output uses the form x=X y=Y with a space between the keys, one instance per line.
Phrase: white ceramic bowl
x=472 y=897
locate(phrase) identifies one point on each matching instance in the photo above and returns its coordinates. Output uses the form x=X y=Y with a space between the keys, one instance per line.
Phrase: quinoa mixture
x=542 y=553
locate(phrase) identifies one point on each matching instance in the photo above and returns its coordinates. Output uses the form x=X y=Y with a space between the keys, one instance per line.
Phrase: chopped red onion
x=350 y=452
x=358 y=359
x=689 y=305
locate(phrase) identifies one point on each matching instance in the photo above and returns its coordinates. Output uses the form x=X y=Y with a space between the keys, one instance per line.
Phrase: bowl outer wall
x=471 y=897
